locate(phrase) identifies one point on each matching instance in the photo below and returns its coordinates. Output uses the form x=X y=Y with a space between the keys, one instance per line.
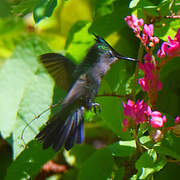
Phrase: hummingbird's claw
x=96 y=107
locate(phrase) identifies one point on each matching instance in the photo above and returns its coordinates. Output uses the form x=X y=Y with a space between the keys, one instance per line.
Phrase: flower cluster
x=134 y=23
x=140 y=112
x=150 y=81
x=170 y=48
x=147 y=38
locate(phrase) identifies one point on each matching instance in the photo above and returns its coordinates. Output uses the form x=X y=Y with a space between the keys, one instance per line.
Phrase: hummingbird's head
x=108 y=54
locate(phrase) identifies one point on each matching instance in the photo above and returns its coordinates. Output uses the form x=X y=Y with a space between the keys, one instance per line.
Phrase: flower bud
x=156 y=135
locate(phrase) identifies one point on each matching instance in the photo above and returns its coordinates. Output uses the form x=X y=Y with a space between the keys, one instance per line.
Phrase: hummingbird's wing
x=60 y=68
x=78 y=92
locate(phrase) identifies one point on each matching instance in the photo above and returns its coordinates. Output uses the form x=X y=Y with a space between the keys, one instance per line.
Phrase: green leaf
x=29 y=162
x=126 y=148
x=79 y=40
x=71 y=174
x=147 y=4
x=133 y=3
x=24 y=7
x=112 y=114
x=15 y=76
x=119 y=79
x=167 y=151
x=123 y=148
x=44 y=9
x=29 y=90
x=81 y=153
x=119 y=174
x=171 y=170
x=149 y=163
x=169 y=28
x=98 y=166
x=107 y=23
x=170 y=79
x=5 y=8
x=104 y=7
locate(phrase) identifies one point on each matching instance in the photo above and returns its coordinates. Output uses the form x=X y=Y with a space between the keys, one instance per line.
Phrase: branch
x=128 y=96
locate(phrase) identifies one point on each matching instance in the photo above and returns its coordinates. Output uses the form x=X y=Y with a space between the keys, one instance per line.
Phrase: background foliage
x=29 y=28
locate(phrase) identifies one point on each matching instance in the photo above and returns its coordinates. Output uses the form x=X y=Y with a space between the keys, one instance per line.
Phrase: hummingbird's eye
x=110 y=53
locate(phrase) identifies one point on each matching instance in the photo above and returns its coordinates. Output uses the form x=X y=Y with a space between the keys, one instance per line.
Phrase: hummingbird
x=82 y=83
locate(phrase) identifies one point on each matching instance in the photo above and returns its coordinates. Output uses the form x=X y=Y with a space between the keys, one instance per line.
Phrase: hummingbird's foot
x=96 y=107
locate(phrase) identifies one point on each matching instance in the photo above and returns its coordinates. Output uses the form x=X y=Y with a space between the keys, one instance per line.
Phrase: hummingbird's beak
x=125 y=58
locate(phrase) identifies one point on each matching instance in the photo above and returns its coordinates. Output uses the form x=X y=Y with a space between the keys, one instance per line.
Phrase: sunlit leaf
x=79 y=40
x=24 y=7
x=133 y=3
x=123 y=148
x=149 y=163
x=44 y=9
x=28 y=90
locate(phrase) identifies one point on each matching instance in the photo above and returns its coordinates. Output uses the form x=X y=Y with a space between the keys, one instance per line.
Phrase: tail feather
x=63 y=135
x=61 y=131
x=76 y=133
x=80 y=133
x=71 y=138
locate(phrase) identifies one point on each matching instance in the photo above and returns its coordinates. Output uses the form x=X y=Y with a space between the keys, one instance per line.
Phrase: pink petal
x=147 y=57
x=177 y=120
x=156 y=122
x=140 y=22
x=130 y=103
x=142 y=82
x=164 y=119
x=159 y=85
x=125 y=123
x=156 y=113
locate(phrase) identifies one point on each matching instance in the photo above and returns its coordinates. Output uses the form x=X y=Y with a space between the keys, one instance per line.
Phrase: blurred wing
x=60 y=68
x=77 y=92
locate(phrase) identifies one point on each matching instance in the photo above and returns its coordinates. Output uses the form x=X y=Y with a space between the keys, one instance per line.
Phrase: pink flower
x=125 y=124
x=156 y=120
x=177 y=120
x=147 y=57
x=154 y=40
x=134 y=23
x=170 y=48
x=135 y=113
x=144 y=84
x=150 y=80
x=147 y=32
x=147 y=37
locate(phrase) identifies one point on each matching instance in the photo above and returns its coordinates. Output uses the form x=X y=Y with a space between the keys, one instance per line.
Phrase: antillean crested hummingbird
x=82 y=83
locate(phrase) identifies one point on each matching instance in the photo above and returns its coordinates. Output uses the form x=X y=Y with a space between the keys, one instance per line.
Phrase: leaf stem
x=139 y=147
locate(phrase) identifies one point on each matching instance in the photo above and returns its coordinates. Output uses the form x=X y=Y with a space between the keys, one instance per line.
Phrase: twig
x=37 y=117
x=115 y=95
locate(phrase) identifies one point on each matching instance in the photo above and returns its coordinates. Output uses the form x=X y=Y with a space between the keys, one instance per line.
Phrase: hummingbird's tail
x=59 y=131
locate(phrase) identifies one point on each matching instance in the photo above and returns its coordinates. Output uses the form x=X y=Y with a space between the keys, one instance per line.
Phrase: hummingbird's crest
x=106 y=47
x=102 y=43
